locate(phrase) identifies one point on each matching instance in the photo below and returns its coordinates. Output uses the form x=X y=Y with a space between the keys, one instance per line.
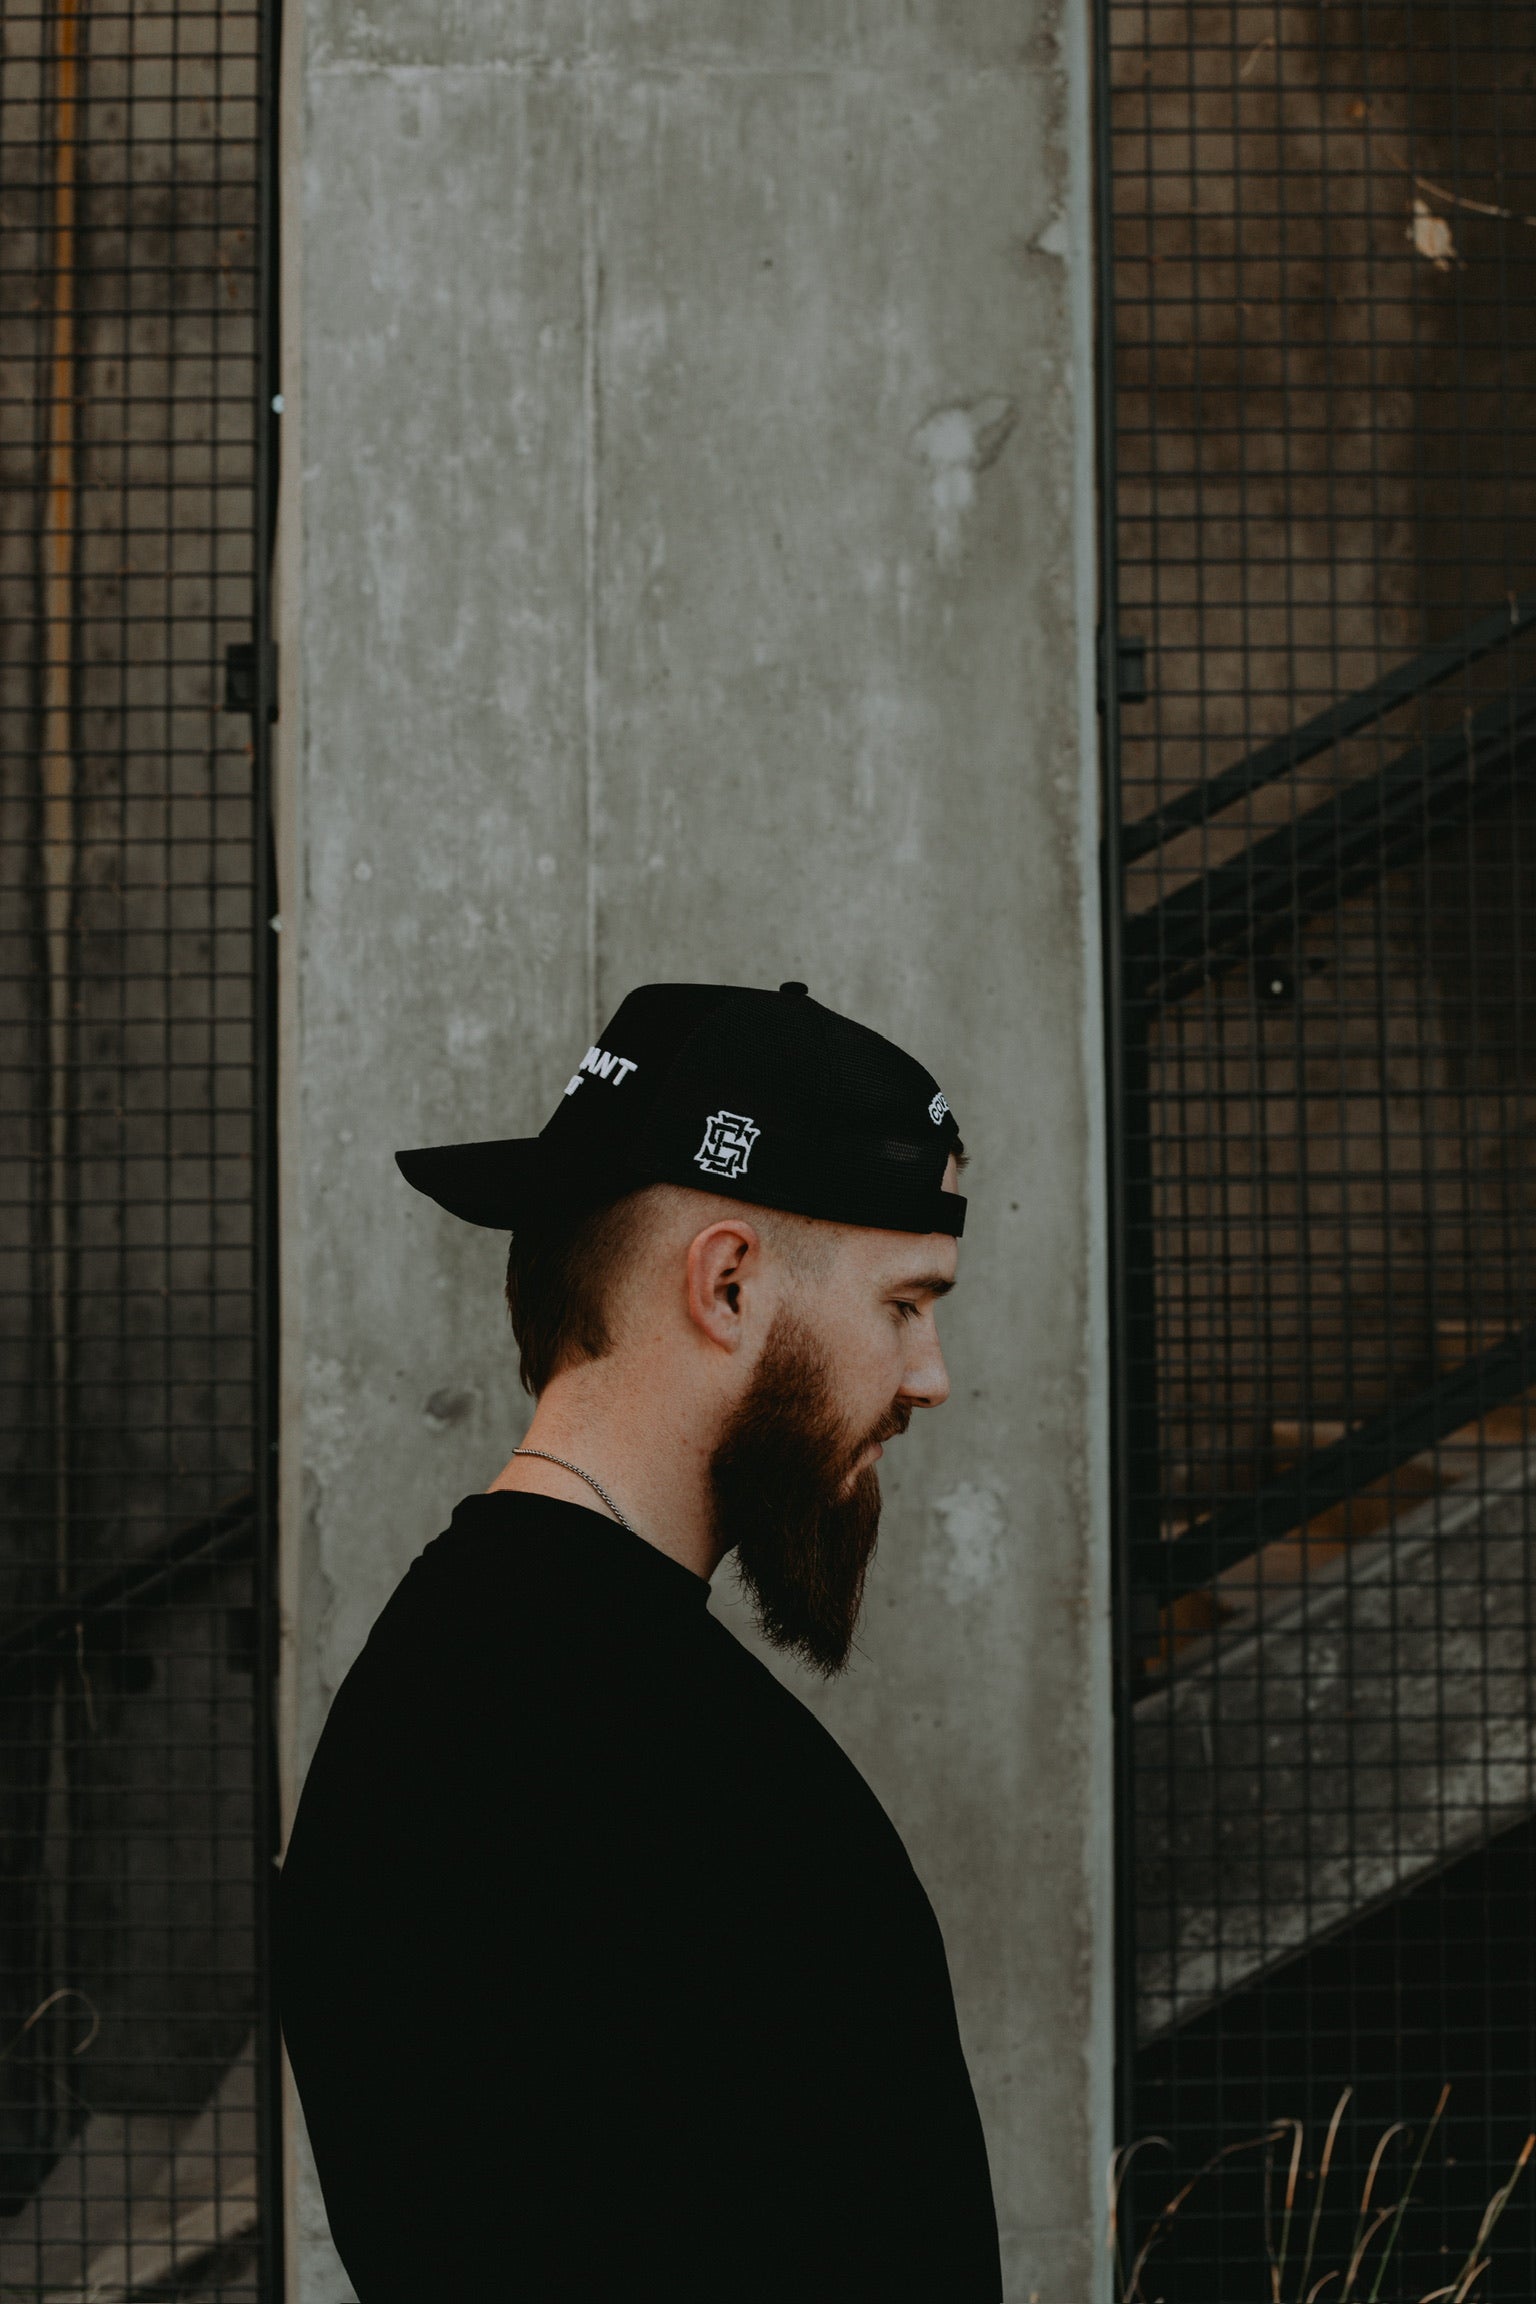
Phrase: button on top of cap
x=802 y=989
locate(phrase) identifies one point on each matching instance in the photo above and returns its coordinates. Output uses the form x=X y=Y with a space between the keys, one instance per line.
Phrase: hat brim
x=501 y=1184
x=519 y=1180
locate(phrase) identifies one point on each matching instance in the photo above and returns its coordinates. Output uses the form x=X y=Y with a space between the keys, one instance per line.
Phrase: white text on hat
x=603 y=1066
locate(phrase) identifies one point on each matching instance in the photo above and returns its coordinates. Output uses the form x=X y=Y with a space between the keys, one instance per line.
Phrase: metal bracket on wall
x=1131 y=665
x=240 y=680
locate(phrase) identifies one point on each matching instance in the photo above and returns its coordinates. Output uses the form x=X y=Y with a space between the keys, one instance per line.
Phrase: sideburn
x=803 y=1547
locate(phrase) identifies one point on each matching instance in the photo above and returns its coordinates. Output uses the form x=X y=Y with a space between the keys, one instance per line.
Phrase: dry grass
x=1283 y=2246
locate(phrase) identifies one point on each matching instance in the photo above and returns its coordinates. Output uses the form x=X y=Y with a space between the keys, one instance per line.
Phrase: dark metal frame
x=1328 y=1476
x=1212 y=923
x=1252 y=904
x=1122 y=1189
x=1314 y=863
x=271 y=2143
x=52 y=1632
x=1401 y=685
x=1230 y=916
x=48 y=1647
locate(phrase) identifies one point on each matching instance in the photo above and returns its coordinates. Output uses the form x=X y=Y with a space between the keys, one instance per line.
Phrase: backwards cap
x=765 y=1097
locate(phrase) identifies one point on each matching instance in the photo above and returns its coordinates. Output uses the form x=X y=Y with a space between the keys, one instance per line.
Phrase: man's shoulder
x=521 y=1652
x=517 y=1608
x=509 y=1561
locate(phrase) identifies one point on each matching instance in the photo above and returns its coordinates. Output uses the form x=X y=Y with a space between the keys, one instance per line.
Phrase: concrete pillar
x=687 y=571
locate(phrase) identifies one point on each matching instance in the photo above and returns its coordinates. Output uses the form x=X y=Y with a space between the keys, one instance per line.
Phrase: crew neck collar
x=624 y=1552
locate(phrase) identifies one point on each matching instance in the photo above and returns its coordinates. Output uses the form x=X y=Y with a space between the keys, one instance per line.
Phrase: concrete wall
x=687 y=571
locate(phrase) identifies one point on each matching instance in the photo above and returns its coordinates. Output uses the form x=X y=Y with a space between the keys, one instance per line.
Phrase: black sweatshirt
x=603 y=1972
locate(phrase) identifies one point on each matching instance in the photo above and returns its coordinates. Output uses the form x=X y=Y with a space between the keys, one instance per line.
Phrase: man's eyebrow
x=928 y=1284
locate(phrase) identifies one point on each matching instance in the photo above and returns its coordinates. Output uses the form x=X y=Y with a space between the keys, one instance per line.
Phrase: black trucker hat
x=759 y=1096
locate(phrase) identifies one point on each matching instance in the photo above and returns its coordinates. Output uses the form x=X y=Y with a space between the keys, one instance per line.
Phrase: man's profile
x=603 y=1973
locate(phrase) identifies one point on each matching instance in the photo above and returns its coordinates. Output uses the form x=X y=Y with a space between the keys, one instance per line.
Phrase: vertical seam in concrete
x=590 y=284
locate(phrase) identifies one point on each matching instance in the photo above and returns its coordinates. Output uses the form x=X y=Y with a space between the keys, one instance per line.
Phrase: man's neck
x=653 y=1467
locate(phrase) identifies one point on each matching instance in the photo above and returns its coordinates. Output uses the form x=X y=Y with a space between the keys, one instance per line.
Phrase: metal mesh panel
x=133 y=1648
x=1321 y=221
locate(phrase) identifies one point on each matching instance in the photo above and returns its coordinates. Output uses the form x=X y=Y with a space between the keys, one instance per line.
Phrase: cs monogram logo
x=727 y=1146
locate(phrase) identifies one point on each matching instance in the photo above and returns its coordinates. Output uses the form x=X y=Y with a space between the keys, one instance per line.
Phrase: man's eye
x=907 y=1310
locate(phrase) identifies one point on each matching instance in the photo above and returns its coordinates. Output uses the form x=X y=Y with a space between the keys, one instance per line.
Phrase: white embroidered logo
x=727 y=1146
x=938 y=1108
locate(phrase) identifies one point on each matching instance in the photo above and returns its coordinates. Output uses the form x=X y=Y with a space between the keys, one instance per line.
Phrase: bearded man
x=604 y=1974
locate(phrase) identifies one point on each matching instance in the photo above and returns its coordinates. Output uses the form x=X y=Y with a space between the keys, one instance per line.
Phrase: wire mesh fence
x=1322 y=225
x=133 y=1634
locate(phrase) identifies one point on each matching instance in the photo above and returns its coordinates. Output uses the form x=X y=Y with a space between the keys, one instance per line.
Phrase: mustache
x=890 y=1427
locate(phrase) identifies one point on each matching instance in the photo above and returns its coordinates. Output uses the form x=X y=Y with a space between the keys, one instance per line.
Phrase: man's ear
x=720 y=1259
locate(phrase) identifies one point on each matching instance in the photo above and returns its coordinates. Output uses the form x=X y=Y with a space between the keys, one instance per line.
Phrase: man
x=603 y=1973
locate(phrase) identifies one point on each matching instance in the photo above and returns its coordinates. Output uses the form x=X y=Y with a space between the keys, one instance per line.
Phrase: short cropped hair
x=561 y=1275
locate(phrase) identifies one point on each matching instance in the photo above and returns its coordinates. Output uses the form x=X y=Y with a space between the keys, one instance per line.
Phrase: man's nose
x=927 y=1385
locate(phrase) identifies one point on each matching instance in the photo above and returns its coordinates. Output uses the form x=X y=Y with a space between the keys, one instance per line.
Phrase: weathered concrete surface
x=687 y=570
x=1379 y=1726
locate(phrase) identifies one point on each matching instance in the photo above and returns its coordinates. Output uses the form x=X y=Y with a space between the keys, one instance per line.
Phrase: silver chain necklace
x=566 y=1466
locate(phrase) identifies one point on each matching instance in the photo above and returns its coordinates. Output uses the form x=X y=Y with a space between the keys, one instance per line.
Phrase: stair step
x=1235 y=1602
x=1379 y=1721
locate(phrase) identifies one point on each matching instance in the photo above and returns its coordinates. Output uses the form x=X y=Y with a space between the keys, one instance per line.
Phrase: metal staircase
x=1379 y=1722
x=1335 y=1665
